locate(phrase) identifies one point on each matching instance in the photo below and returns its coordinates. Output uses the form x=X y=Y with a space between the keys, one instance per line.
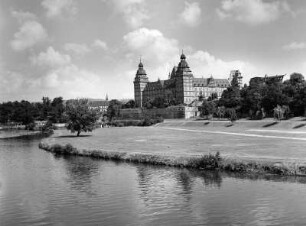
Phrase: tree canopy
x=80 y=116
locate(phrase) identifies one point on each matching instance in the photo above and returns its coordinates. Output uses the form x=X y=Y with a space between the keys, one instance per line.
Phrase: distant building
x=237 y=74
x=99 y=105
x=266 y=80
x=181 y=86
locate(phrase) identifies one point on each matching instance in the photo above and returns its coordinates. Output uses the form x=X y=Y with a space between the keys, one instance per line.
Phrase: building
x=99 y=105
x=182 y=86
x=266 y=80
x=237 y=74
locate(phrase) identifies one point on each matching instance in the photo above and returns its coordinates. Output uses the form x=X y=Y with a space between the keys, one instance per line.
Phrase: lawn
x=243 y=140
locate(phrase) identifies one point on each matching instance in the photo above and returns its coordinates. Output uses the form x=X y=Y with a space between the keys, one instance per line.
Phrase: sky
x=87 y=49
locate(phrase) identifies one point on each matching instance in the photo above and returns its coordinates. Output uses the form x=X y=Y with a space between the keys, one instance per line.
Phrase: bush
x=206 y=162
x=30 y=126
x=147 y=121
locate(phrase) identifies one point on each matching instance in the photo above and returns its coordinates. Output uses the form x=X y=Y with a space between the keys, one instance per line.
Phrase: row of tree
x=25 y=112
x=261 y=99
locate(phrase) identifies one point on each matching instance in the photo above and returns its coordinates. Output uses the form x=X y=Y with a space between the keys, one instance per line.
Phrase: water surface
x=38 y=188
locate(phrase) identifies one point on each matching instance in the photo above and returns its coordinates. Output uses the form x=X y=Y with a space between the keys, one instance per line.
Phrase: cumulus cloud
x=60 y=76
x=30 y=33
x=205 y=64
x=133 y=11
x=100 y=44
x=295 y=46
x=51 y=58
x=191 y=15
x=59 y=7
x=151 y=44
x=253 y=12
x=23 y=16
x=160 y=54
x=78 y=49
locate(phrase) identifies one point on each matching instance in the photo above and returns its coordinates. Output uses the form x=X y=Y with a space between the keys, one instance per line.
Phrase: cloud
x=204 y=64
x=30 y=33
x=295 y=46
x=78 y=49
x=60 y=76
x=133 y=11
x=51 y=59
x=253 y=12
x=160 y=54
x=152 y=45
x=23 y=16
x=191 y=15
x=100 y=44
x=59 y=7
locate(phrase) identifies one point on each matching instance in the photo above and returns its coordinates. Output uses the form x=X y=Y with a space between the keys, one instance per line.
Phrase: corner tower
x=140 y=82
x=184 y=81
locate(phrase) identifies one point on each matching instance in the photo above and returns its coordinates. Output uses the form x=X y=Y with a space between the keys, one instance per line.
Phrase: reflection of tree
x=211 y=178
x=80 y=171
x=186 y=180
x=144 y=178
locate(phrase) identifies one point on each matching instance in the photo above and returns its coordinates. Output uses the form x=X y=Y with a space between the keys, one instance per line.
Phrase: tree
x=113 y=109
x=213 y=96
x=129 y=104
x=57 y=110
x=231 y=97
x=80 y=116
x=46 y=108
x=208 y=108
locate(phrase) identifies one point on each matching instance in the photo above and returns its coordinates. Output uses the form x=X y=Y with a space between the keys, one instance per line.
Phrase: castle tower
x=184 y=80
x=140 y=83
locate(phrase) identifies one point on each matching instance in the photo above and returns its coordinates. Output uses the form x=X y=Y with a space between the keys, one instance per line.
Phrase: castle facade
x=181 y=87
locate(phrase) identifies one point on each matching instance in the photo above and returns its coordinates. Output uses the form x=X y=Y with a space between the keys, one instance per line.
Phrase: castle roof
x=212 y=82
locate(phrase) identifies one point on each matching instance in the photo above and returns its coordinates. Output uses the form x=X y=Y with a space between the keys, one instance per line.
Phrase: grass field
x=243 y=140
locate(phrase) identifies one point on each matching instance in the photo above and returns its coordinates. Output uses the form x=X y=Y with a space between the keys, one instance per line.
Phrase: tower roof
x=183 y=66
x=140 y=70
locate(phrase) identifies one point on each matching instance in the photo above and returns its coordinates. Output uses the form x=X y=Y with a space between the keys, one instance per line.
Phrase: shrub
x=206 y=162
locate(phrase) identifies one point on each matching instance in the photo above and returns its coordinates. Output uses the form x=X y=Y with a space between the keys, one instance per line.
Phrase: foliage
x=25 y=112
x=213 y=96
x=113 y=109
x=231 y=97
x=231 y=114
x=208 y=162
x=80 y=116
x=147 y=121
x=57 y=110
x=208 y=108
x=129 y=104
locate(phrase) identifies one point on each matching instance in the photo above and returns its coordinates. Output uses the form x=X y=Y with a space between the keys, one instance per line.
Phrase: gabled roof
x=197 y=82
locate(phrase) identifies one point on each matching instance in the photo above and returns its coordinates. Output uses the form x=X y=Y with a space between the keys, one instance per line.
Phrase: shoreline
x=199 y=162
x=20 y=134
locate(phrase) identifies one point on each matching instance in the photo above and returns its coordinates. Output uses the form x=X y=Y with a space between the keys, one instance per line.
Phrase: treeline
x=262 y=98
x=25 y=112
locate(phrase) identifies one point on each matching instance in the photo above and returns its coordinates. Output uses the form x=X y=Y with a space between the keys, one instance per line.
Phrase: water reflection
x=80 y=171
x=37 y=188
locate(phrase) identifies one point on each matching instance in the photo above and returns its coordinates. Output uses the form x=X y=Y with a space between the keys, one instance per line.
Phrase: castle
x=181 y=87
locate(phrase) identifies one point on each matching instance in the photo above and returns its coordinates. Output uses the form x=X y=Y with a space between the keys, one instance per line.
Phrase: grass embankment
x=204 y=162
x=247 y=146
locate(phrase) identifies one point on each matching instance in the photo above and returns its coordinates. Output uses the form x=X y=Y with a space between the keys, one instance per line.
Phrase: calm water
x=38 y=188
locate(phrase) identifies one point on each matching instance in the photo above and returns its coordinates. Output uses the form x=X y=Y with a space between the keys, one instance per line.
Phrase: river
x=38 y=188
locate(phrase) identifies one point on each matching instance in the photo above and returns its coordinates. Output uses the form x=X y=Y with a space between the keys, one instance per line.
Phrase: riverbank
x=184 y=143
x=16 y=134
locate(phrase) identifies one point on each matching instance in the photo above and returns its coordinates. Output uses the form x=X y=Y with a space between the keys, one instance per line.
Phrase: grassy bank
x=201 y=162
x=23 y=134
